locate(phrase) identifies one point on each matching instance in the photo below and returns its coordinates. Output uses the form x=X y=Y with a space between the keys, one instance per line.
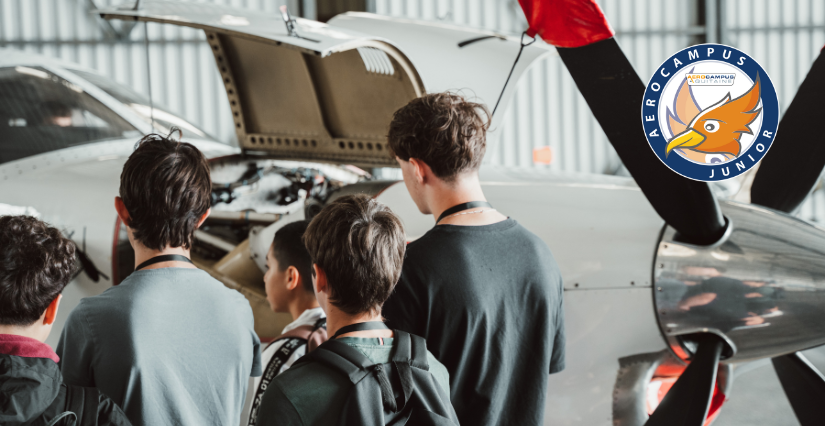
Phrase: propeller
x=797 y=156
x=804 y=385
x=613 y=91
x=783 y=181
x=688 y=401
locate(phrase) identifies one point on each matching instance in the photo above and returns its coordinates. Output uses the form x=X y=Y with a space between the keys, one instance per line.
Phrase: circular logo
x=710 y=112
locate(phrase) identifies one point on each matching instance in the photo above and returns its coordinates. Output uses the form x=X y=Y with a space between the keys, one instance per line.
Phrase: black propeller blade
x=792 y=167
x=614 y=93
x=805 y=387
x=688 y=401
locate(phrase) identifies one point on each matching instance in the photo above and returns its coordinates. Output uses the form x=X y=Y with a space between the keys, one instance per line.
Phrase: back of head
x=36 y=264
x=289 y=249
x=360 y=244
x=444 y=130
x=166 y=188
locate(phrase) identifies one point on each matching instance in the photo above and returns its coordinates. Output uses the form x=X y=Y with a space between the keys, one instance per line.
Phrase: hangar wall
x=546 y=111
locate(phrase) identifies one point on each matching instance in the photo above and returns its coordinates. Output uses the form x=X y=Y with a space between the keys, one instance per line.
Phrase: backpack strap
x=355 y=365
x=62 y=416
x=279 y=358
x=313 y=334
x=83 y=402
x=410 y=351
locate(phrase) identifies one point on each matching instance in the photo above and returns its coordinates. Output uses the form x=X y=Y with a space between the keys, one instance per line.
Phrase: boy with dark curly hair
x=36 y=263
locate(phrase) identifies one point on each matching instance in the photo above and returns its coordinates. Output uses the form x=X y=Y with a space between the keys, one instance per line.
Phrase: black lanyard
x=163 y=258
x=361 y=326
x=462 y=207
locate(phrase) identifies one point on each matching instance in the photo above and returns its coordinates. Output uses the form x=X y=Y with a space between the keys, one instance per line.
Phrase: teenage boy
x=170 y=344
x=288 y=285
x=357 y=246
x=36 y=263
x=484 y=291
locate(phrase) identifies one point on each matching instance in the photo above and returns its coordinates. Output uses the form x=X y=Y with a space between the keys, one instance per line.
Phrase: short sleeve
x=277 y=409
x=257 y=370
x=557 y=359
x=402 y=311
x=76 y=350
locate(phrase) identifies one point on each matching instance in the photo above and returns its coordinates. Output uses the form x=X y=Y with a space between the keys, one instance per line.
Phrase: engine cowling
x=761 y=287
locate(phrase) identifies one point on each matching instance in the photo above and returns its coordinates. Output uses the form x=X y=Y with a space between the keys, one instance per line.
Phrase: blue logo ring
x=681 y=63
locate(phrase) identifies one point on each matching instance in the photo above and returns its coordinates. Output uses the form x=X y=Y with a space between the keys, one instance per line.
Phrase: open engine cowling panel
x=301 y=105
x=306 y=90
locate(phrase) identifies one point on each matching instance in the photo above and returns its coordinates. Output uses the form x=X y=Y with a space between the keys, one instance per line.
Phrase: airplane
x=311 y=102
x=65 y=133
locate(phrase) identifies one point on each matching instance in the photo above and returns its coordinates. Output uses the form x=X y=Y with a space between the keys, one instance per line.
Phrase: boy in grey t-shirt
x=170 y=344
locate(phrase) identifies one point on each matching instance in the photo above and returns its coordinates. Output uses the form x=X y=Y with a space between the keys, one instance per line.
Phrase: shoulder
x=278 y=408
x=521 y=232
x=298 y=390
x=439 y=371
x=314 y=378
x=537 y=246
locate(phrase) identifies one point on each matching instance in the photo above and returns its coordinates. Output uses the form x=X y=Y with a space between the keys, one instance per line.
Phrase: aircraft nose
x=761 y=288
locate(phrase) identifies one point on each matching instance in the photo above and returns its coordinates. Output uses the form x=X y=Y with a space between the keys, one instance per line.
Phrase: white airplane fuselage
x=601 y=230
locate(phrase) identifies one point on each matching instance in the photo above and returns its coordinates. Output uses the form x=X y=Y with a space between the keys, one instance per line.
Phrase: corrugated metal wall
x=792 y=34
x=547 y=110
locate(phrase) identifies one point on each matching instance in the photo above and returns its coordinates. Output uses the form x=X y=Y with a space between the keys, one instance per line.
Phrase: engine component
x=761 y=288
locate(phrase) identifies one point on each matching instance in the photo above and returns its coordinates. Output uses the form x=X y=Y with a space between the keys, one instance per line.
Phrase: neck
x=302 y=304
x=143 y=253
x=337 y=319
x=463 y=189
x=31 y=332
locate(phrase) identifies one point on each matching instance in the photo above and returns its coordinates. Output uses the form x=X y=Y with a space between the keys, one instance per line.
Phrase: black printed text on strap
x=361 y=326
x=273 y=368
x=461 y=207
x=163 y=258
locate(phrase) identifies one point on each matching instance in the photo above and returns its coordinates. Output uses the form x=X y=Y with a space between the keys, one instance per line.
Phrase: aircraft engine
x=761 y=288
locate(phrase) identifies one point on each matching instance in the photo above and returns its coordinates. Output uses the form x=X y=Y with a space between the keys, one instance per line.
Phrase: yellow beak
x=687 y=139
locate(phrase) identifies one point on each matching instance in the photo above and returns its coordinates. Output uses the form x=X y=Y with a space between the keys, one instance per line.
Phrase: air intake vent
x=376 y=61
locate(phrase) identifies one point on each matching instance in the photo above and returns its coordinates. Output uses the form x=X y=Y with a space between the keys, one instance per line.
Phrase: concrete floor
x=757 y=398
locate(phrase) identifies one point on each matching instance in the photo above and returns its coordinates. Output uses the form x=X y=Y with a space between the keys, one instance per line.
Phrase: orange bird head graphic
x=715 y=129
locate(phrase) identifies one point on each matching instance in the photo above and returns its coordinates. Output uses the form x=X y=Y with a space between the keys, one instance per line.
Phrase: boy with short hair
x=170 y=344
x=484 y=291
x=288 y=285
x=36 y=264
x=357 y=245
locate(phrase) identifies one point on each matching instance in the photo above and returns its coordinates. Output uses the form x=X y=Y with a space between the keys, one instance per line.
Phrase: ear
x=421 y=171
x=203 y=218
x=122 y=213
x=293 y=278
x=51 y=311
x=320 y=281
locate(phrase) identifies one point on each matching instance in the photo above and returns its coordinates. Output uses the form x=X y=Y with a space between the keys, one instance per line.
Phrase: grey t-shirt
x=171 y=346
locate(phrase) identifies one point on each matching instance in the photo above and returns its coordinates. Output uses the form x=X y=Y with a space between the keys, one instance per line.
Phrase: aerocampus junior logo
x=710 y=112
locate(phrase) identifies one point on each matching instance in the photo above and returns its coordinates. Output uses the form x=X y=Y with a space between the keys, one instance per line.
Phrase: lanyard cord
x=163 y=258
x=462 y=207
x=361 y=326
